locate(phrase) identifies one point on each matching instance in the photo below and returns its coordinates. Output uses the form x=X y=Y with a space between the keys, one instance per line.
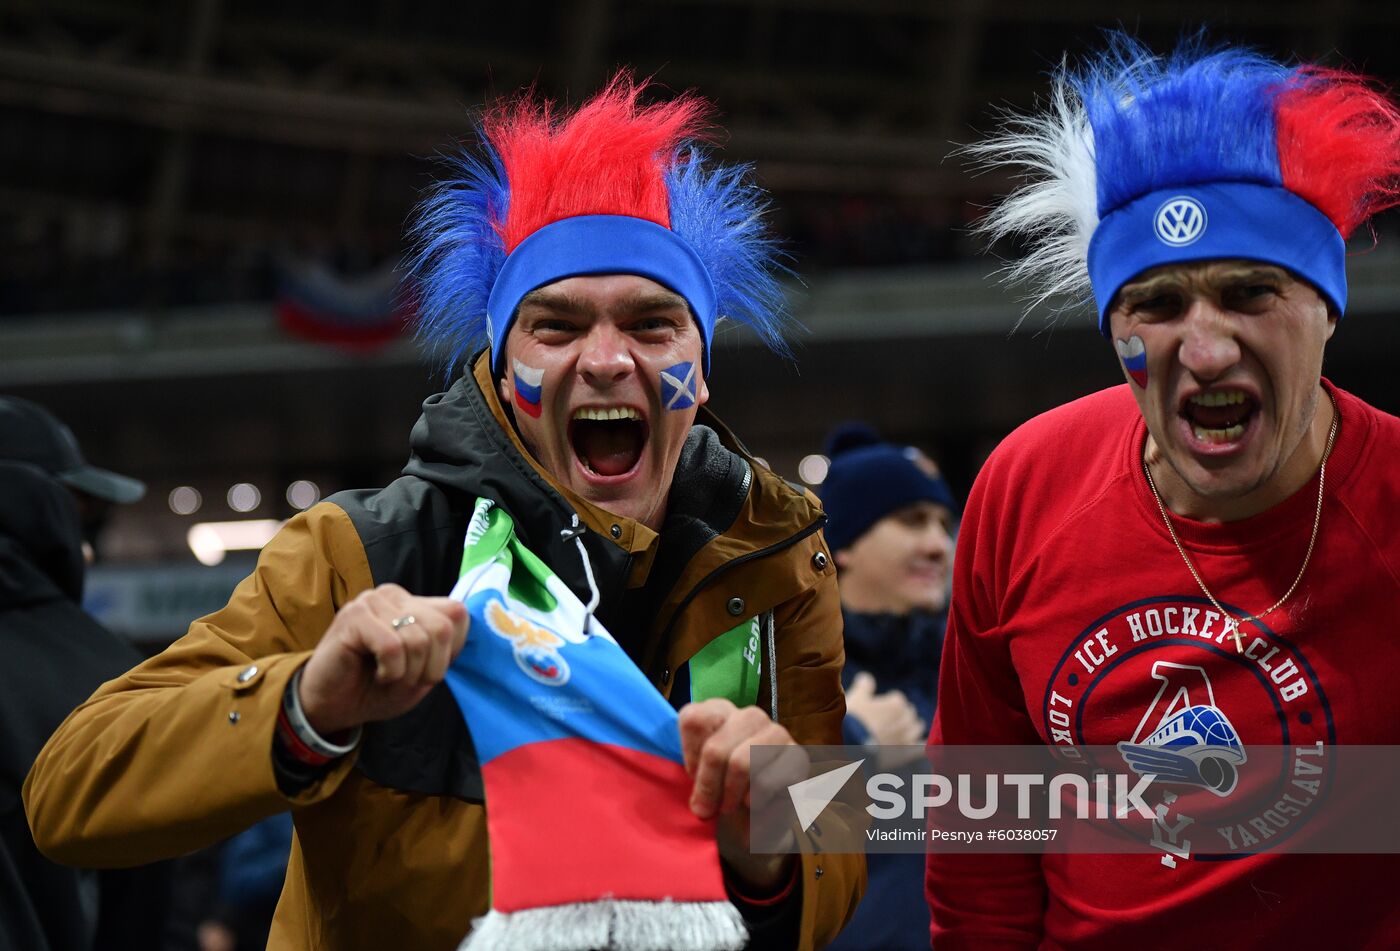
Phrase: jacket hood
x=464 y=442
x=41 y=540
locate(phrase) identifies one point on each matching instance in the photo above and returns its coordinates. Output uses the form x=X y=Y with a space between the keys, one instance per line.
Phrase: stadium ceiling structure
x=164 y=165
x=164 y=142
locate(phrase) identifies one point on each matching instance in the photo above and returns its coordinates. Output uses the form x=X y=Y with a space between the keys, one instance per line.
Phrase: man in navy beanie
x=889 y=525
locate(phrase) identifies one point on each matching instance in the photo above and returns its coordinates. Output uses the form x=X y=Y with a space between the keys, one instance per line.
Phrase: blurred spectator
x=55 y=656
x=254 y=867
x=196 y=917
x=890 y=522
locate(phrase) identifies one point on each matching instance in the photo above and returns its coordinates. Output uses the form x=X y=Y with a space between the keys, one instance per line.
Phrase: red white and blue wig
x=615 y=187
x=1143 y=160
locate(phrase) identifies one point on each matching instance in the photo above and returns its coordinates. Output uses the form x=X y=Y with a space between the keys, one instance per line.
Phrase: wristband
x=771 y=900
x=299 y=737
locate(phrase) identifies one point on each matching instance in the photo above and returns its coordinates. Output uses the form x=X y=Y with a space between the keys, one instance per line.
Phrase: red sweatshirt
x=1075 y=622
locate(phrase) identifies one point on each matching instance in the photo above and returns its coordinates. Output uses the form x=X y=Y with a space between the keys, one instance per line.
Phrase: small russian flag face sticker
x=527 y=388
x=1133 y=353
x=678 y=386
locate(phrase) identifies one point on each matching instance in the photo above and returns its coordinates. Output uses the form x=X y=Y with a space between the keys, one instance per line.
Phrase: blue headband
x=599 y=244
x=1214 y=221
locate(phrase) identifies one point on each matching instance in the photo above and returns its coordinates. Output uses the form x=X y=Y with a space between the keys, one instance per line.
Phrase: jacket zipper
x=664 y=643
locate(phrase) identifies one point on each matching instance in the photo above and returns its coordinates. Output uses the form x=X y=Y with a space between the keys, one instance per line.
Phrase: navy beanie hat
x=868 y=479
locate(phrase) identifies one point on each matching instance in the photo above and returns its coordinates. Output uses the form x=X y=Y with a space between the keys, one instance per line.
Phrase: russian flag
x=1133 y=353
x=587 y=798
x=528 y=390
x=357 y=313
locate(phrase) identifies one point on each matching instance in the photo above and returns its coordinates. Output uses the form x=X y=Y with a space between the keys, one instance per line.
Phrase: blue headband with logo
x=600 y=244
x=1214 y=221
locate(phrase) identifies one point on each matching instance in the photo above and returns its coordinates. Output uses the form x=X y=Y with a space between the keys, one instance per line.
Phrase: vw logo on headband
x=1179 y=221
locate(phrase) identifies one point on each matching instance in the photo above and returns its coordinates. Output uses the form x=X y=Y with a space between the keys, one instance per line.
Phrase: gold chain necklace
x=1317 y=521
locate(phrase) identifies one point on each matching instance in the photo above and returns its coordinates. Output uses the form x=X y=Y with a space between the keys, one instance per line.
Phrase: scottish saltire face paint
x=528 y=388
x=575 y=744
x=1133 y=353
x=678 y=386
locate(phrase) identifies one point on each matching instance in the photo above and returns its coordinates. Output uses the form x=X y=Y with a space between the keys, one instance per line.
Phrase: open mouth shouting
x=608 y=442
x=1219 y=420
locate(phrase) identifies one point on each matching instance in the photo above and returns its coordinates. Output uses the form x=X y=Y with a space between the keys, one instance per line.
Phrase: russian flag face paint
x=528 y=388
x=1134 y=356
x=678 y=386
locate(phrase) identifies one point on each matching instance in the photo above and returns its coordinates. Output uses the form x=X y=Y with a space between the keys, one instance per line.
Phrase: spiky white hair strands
x=1055 y=208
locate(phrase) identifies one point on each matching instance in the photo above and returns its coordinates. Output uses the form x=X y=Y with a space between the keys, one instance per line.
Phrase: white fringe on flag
x=612 y=925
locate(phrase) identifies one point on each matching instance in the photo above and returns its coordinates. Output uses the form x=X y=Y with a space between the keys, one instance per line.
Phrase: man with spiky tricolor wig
x=575 y=273
x=510 y=249
x=1193 y=568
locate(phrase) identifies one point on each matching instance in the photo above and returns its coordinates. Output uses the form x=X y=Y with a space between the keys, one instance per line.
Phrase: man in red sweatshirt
x=1217 y=539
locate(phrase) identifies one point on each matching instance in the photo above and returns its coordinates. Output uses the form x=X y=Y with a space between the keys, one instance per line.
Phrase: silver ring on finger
x=404 y=621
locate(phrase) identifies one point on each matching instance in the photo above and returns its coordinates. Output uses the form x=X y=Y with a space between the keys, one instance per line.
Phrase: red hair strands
x=608 y=158
x=1339 y=145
